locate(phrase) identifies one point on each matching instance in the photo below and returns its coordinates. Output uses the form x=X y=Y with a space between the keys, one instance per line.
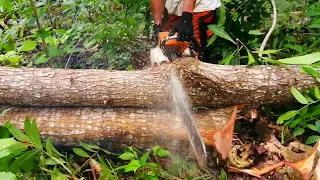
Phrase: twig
x=274 y=23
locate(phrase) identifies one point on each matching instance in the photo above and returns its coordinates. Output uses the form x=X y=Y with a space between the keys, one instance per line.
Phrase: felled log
x=115 y=128
x=206 y=85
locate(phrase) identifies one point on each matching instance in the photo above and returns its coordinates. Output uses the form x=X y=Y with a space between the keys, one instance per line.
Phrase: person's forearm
x=188 y=5
x=157 y=7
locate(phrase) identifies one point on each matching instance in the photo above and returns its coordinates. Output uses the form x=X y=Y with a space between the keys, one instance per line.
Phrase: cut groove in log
x=206 y=84
x=117 y=127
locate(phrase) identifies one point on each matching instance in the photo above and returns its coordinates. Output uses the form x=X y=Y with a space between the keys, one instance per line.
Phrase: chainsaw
x=174 y=49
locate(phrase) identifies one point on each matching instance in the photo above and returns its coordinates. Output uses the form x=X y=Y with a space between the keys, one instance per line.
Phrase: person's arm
x=188 y=5
x=157 y=7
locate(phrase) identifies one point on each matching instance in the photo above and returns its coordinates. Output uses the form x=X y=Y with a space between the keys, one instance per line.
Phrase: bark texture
x=115 y=128
x=206 y=84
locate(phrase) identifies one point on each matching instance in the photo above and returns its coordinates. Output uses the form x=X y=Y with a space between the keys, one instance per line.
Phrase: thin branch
x=274 y=23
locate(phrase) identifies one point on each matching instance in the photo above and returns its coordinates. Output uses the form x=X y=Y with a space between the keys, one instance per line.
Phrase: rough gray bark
x=116 y=127
x=206 y=84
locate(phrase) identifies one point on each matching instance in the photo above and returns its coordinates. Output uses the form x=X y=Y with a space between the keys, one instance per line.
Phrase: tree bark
x=115 y=128
x=207 y=85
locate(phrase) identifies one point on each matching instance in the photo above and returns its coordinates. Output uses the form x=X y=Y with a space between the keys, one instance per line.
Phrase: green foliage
x=307 y=118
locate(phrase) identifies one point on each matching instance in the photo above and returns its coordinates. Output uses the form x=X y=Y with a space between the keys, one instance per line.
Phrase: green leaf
x=310 y=71
x=6 y=4
x=51 y=149
x=32 y=132
x=80 y=152
x=151 y=165
x=89 y=147
x=53 y=51
x=7 y=176
x=87 y=44
x=18 y=148
x=42 y=59
x=286 y=116
x=318 y=126
x=308 y=98
x=316 y=92
x=316 y=26
x=294 y=123
x=312 y=139
x=298 y=131
x=126 y=156
x=132 y=166
x=160 y=151
x=227 y=60
x=251 y=59
x=294 y=47
x=290 y=39
x=222 y=15
x=312 y=127
x=299 y=97
x=310 y=13
x=57 y=175
x=27 y=46
x=303 y=60
x=152 y=177
x=7 y=142
x=223 y=175
x=16 y=132
x=269 y=51
x=144 y=158
x=219 y=31
x=25 y=161
x=255 y=32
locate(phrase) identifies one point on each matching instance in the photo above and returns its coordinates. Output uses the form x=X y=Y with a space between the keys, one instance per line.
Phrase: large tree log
x=206 y=84
x=115 y=127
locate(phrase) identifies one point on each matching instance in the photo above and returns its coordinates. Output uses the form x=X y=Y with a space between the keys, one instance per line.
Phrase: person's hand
x=156 y=30
x=184 y=28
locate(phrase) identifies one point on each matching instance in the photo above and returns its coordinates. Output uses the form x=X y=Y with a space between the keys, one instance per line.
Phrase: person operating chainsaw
x=188 y=18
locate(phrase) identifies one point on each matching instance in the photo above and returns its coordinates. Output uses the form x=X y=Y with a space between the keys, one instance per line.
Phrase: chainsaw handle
x=193 y=40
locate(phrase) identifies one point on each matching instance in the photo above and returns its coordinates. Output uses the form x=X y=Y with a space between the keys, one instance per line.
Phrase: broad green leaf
x=7 y=176
x=290 y=39
x=286 y=116
x=7 y=142
x=310 y=71
x=317 y=26
x=308 y=98
x=298 y=131
x=219 y=31
x=18 y=148
x=27 y=46
x=32 y=132
x=312 y=127
x=160 y=151
x=152 y=177
x=4 y=153
x=6 y=4
x=4 y=132
x=312 y=139
x=126 y=156
x=87 y=44
x=132 y=166
x=17 y=133
x=222 y=15
x=89 y=147
x=26 y=161
x=311 y=13
x=144 y=158
x=294 y=47
x=317 y=126
x=303 y=60
x=151 y=165
x=212 y=39
x=299 y=97
x=251 y=59
x=316 y=92
x=42 y=59
x=53 y=51
x=80 y=152
x=294 y=123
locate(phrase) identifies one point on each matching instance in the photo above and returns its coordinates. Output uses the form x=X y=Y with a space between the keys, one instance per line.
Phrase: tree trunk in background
x=115 y=128
x=206 y=84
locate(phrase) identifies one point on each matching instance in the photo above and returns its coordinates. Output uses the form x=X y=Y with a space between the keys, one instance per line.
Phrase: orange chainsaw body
x=172 y=43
